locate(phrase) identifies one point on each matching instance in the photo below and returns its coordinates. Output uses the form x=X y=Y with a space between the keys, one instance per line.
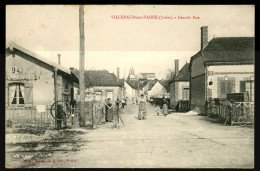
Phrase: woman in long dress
x=109 y=110
x=165 y=107
x=142 y=114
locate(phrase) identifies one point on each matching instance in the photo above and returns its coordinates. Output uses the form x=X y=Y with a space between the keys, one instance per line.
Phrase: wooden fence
x=233 y=113
x=94 y=115
x=243 y=113
x=16 y=117
x=28 y=116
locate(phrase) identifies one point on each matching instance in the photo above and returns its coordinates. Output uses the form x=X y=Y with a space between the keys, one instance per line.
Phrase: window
x=226 y=86
x=248 y=86
x=185 y=93
x=16 y=94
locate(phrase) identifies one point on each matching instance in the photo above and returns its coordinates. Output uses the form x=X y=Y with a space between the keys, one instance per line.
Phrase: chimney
x=117 y=72
x=204 y=36
x=176 y=61
x=59 y=59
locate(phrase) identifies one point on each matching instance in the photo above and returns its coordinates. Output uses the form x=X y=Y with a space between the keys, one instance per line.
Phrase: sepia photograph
x=130 y=86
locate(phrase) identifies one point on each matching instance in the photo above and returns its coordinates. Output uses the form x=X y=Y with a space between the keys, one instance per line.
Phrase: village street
x=176 y=141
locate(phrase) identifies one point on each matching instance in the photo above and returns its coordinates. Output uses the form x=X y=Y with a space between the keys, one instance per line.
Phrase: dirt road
x=175 y=141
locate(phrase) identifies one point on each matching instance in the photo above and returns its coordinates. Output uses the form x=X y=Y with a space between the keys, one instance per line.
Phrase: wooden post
x=93 y=114
x=231 y=113
x=55 y=93
x=117 y=113
x=81 y=67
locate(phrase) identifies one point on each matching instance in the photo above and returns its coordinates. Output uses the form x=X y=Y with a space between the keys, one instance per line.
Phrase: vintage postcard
x=129 y=86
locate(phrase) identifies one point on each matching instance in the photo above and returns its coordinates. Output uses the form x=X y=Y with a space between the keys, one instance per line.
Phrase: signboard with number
x=16 y=70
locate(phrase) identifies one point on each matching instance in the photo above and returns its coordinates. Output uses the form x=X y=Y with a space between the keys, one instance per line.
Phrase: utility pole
x=124 y=85
x=55 y=95
x=81 y=66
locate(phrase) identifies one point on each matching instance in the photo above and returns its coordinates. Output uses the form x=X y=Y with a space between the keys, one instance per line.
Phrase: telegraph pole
x=81 y=66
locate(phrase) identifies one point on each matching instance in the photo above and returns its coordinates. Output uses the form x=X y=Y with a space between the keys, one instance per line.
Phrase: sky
x=149 y=45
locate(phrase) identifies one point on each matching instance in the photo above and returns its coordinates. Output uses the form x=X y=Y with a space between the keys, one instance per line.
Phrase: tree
x=169 y=74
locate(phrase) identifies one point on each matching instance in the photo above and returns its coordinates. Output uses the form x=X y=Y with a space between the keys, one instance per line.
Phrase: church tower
x=131 y=75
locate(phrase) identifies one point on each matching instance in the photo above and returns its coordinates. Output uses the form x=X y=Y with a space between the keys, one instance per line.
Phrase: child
x=158 y=110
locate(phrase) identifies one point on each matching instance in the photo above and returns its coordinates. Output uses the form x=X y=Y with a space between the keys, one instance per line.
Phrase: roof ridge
x=37 y=56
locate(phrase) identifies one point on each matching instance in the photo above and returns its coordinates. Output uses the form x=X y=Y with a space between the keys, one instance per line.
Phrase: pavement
x=173 y=141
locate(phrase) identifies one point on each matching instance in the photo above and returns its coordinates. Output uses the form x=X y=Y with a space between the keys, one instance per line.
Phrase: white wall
x=181 y=86
x=239 y=72
x=157 y=89
x=43 y=86
x=104 y=89
x=130 y=92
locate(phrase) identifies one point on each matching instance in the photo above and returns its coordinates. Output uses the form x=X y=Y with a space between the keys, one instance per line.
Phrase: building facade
x=222 y=66
x=159 y=89
x=101 y=85
x=133 y=90
x=180 y=86
x=30 y=79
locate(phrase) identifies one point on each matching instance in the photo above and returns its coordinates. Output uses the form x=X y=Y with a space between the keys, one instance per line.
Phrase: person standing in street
x=165 y=107
x=123 y=103
x=109 y=110
x=142 y=114
x=117 y=107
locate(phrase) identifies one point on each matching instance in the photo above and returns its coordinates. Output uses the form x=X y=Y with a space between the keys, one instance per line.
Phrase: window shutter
x=233 y=86
x=229 y=87
x=183 y=94
x=28 y=94
x=222 y=87
x=242 y=86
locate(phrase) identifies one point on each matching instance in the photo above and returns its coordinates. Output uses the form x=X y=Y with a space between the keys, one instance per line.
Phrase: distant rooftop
x=184 y=74
x=99 y=78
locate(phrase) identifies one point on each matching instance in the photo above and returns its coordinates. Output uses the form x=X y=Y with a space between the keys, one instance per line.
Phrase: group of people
x=142 y=114
x=112 y=109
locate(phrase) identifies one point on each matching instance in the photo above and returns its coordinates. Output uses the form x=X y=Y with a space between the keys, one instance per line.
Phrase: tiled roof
x=99 y=78
x=184 y=74
x=121 y=81
x=136 y=84
x=228 y=50
x=151 y=83
x=164 y=83
x=148 y=75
